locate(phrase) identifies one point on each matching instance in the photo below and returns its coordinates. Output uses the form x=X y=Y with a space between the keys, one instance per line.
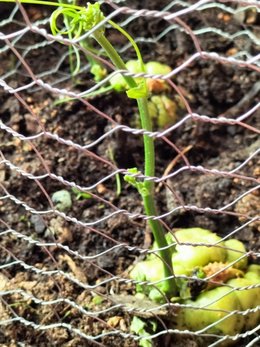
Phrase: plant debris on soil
x=212 y=88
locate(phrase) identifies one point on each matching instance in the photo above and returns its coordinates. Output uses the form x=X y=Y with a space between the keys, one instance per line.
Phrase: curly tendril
x=79 y=20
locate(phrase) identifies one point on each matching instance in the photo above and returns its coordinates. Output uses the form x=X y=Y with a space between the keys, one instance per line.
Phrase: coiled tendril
x=78 y=21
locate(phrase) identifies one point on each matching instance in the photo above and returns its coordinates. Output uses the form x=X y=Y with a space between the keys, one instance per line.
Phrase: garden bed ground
x=213 y=89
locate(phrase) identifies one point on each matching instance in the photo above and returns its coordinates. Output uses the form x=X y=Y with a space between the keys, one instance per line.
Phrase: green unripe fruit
x=118 y=82
x=233 y=255
x=150 y=270
x=193 y=256
x=248 y=298
x=255 y=270
x=162 y=110
x=155 y=68
x=214 y=301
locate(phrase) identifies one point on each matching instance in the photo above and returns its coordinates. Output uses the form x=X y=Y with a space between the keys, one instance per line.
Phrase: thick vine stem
x=149 y=153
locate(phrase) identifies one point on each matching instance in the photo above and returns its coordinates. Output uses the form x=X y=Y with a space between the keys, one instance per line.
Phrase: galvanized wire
x=58 y=82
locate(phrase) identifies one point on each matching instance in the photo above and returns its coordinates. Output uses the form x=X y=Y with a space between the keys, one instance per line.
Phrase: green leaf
x=98 y=71
x=92 y=16
x=97 y=300
x=138 y=327
x=154 y=325
x=81 y=195
x=138 y=92
x=140 y=186
x=130 y=179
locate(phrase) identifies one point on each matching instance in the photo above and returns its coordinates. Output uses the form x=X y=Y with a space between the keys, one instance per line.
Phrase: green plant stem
x=149 y=153
x=114 y=56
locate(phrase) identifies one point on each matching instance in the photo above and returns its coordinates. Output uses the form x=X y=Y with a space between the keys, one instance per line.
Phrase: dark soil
x=211 y=89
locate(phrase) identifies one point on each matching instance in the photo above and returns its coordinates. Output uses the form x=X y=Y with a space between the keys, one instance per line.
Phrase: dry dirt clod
x=57 y=228
x=101 y=189
x=78 y=273
x=249 y=206
x=114 y=321
x=32 y=124
x=2 y=173
x=3 y=311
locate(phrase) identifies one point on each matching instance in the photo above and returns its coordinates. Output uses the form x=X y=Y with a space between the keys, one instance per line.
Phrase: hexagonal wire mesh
x=65 y=270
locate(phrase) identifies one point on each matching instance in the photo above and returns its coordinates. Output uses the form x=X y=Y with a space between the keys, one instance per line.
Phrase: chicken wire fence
x=65 y=273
